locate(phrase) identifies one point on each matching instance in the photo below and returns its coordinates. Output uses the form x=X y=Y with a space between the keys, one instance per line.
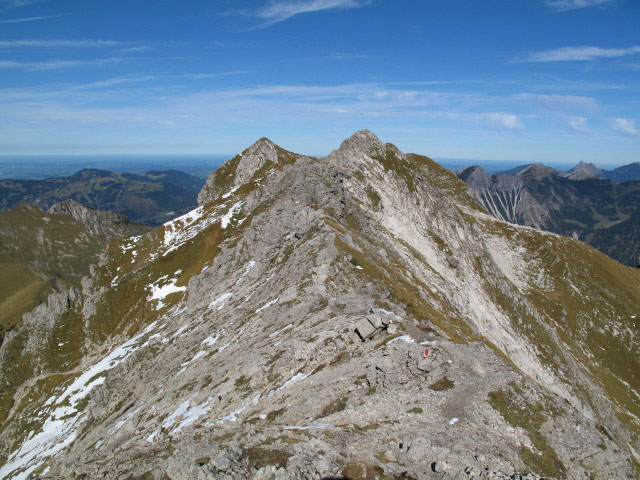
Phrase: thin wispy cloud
x=112 y=82
x=55 y=64
x=280 y=10
x=58 y=43
x=11 y=4
x=341 y=56
x=625 y=126
x=581 y=54
x=564 y=5
x=579 y=124
x=32 y=19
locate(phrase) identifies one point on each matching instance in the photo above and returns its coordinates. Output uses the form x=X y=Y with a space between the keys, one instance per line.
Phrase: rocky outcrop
x=99 y=222
x=242 y=168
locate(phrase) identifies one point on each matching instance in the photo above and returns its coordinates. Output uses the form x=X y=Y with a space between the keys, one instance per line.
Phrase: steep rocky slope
x=354 y=316
x=46 y=252
x=597 y=211
x=152 y=197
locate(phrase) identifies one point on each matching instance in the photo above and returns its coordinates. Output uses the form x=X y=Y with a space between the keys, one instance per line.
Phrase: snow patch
x=404 y=338
x=210 y=340
x=232 y=211
x=267 y=305
x=186 y=364
x=159 y=293
x=298 y=377
x=220 y=300
x=280 y=330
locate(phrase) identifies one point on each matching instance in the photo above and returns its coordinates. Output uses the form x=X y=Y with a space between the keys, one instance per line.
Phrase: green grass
x=336 y=406
x=441 y=385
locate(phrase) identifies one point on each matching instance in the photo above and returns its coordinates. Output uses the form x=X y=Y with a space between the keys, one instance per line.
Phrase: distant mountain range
x=584 y=170
x=581 y=203
x=152 y=197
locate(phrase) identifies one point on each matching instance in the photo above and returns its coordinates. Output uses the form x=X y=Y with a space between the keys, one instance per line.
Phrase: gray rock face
x=242 y=168
x=584 y=170
x=99 y=222
x=222 y=345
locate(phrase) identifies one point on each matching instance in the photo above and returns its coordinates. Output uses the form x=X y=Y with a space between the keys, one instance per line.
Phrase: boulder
x=375 y=320
x=365 y=329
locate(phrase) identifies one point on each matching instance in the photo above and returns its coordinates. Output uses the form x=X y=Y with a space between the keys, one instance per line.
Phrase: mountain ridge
x=231 y=341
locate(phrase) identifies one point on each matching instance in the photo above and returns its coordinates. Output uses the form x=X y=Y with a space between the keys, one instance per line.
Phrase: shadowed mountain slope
x=357 y=315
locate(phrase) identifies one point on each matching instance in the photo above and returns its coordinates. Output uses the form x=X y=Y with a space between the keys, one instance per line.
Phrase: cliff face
x=600 y=212
x=355 y=315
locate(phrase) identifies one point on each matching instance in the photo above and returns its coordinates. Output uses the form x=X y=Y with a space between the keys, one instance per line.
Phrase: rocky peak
x=583 y=171
x=367 y=294
x=242 y=168
x=536 y=171
x=362 y=140
x=473 y=173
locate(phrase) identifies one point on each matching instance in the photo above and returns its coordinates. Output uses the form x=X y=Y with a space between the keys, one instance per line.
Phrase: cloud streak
x=32 y=19
x=57 y=43
x=625 y=126
x=280 y=10
x=581 y=54
x=55 y=64
x=579 y=124
x=564 y=5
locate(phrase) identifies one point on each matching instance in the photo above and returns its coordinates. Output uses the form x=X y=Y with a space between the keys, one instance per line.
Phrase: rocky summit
x=357 y=316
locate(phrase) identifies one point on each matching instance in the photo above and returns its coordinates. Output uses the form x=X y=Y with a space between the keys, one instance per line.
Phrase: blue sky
x=521 y=80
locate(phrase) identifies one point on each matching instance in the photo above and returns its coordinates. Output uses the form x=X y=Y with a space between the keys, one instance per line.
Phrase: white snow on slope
x=61 y=424
x=227 y=217
x=267 y=305
x=250 y=265
x=182 y=229
x=186 y=413
x=280 y=330
x=230 y=192
x=295 y=379
x=404 y=338
x=220 y=300
x=210 y=340
x=186 y=364
x=160 y=292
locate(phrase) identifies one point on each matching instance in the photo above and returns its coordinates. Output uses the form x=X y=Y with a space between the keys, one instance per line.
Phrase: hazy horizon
x=35 y=167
